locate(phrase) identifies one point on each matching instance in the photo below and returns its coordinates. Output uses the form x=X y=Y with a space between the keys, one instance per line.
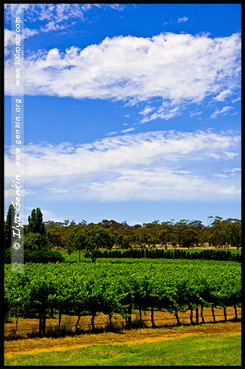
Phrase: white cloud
x=9 y=36
x=58 y=190
x=232 y=170
x=119 y=7
x=158 y=184
x=223 y=95
x=48 y=215
x=55 y=14
x=52 y=26
x=220 y=175
x=235 y=100
x=58 y=13
x=146 y=110
x=127 y=130
x=29 y=32
x=10 y=9
x=135 y=69
x=194 y=114
x=149 y=166
x=10 y=194
x=112 y=133
x=223 y=111
x=165 y=112
x=183 y=20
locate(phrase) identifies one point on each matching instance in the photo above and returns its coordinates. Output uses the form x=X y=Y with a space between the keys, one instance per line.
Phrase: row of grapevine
x=170 y=254
x=86 y=289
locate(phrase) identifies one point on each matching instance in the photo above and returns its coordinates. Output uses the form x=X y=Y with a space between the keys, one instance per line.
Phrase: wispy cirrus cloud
x=183 y=20
x=137 y=69
x=223 y=111
x=52 y=26
x=147 y=166
x=55 y=16
x=127 y=130
x=236 y=99
x=195 y=114
x=223 y=95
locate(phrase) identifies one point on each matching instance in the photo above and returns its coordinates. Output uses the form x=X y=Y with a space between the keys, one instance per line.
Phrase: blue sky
x=132 y=112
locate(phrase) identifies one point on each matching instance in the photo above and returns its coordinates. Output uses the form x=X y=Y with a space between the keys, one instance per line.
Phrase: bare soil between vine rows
x=161 y=318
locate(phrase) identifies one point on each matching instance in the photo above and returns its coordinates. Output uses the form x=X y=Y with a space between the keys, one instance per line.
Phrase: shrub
x=43 y=256
x=37 y=256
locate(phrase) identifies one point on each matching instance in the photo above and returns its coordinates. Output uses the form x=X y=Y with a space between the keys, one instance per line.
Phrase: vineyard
x=122 y=286
x=170 y=254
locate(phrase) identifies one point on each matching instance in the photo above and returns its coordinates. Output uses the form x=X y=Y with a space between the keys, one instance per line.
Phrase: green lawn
x=209 y=350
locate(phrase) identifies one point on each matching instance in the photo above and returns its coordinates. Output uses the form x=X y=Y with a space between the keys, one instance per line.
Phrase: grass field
x=189 y=350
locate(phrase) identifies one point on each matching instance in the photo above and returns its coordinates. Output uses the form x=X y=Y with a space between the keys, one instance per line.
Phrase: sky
x=132 y=112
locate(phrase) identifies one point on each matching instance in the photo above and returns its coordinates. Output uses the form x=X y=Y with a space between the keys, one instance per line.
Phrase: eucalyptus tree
x=78 y=239
x=97 y=238
x=179 y=228
x=165 y=233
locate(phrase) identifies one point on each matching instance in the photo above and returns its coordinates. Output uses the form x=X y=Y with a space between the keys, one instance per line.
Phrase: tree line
x=219 y=233
x=41 y=237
